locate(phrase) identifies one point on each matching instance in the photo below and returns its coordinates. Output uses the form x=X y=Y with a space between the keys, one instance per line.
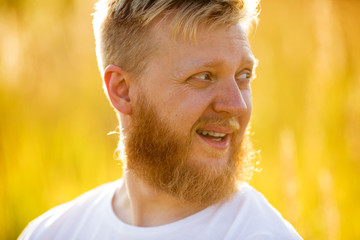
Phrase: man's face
x=191 y=108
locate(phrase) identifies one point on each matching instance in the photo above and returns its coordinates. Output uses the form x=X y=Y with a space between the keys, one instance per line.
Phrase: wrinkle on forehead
x=235 y=33
x=165 y=26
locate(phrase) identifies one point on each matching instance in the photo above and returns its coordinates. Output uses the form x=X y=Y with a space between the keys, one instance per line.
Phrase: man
x=178 y=75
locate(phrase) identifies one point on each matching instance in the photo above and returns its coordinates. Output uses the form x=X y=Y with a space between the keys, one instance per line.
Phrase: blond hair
x=121 y=27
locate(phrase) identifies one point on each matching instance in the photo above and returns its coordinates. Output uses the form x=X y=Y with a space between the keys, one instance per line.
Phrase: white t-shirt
x=247 y=216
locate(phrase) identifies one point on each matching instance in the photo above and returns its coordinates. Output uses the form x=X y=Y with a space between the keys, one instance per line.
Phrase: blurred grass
x=54 y=116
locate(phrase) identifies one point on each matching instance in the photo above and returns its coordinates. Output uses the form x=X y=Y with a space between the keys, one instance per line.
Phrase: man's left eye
x=243 y=80
x=245 y=75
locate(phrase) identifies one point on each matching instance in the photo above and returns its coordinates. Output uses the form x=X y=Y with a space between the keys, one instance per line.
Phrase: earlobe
x=117 y=87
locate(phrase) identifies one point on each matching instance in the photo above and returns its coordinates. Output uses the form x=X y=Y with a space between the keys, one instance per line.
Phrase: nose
x=231 y=101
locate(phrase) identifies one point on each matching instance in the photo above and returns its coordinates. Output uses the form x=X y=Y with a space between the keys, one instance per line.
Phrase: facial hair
x=160 y=157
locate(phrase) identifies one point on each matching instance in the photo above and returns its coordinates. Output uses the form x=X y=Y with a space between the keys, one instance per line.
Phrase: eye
x=243 y=79
x=246 y=75
x=201 y=80
x=203 y=76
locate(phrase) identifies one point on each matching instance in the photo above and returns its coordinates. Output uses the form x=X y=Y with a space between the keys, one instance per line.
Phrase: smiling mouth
x=211 y=135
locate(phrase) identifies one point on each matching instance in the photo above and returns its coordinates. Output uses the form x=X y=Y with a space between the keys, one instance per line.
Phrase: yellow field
x=54 y=117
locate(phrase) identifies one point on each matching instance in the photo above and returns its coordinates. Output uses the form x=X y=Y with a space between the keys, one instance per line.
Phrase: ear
x=117 y=87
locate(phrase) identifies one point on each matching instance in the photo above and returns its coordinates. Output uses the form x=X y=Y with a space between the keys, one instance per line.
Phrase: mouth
x=216 y=139
x=214 y=136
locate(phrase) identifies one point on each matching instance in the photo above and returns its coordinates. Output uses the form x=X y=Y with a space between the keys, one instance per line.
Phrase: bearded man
x=178 y=74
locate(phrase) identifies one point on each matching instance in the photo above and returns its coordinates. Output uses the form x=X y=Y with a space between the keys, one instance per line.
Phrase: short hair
x=122 y=27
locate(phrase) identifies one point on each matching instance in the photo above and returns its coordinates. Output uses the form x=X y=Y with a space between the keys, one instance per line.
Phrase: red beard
x=157 y=155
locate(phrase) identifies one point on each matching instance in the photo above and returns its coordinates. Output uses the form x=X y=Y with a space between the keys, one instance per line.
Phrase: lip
x=221 y=145
x=216 y=128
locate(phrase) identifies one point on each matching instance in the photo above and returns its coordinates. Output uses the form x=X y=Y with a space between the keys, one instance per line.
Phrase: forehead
x=220 y=45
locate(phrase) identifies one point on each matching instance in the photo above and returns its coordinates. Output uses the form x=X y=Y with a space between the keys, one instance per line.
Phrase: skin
x=186 y=80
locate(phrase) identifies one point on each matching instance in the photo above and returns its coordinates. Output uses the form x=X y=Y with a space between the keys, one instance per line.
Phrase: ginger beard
x=159 y=156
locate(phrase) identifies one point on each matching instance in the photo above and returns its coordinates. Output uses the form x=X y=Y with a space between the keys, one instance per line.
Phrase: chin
x=211 y=163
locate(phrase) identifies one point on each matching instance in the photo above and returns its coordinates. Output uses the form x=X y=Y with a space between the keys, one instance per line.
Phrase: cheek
x=183 y=106
x=248 y=99
x=245 y=118
x=185 y=113
x=185 y=116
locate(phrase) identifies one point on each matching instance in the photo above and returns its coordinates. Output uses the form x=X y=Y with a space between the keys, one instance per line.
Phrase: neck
x=139 y=204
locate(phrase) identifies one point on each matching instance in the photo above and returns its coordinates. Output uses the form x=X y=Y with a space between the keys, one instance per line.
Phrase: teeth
x=213 y=134
x=216 y=134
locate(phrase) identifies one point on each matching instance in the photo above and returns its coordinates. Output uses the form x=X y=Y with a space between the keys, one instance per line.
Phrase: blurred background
x=54 y=117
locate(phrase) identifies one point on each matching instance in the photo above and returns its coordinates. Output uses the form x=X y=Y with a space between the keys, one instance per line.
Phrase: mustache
x=231 y=123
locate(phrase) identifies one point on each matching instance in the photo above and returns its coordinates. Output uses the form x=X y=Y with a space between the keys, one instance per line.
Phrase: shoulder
x=64 y=217
x=257 y=218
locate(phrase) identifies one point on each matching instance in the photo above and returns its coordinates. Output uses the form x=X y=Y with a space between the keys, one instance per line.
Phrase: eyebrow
x=246 y=60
